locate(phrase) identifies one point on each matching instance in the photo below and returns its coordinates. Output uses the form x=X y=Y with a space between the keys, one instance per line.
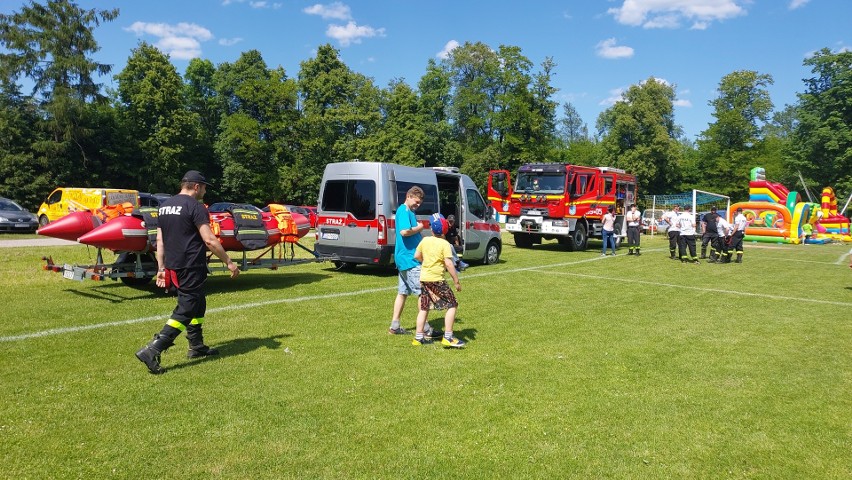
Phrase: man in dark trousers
x=710 y=234
x=183 y=238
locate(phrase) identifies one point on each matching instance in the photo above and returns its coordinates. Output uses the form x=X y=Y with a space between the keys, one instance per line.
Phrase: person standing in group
x=435 y=255
x=634 y=230
x=673 y=229
x=608 y=230
x=407 y=238
x=724 y=231
x=740 y=224
x=709 y=235
x=183 y=238
x=455 y=241
x=686 y=243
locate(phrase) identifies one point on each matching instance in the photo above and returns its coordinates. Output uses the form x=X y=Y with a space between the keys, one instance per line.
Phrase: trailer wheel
x=128 y=257
x=579 y=238
x=492 y=253
x=523 y=240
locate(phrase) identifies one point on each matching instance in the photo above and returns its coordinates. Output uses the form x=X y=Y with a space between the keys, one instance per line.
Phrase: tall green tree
x=23 y=175
x=163 y=137
x=257 y=129
x=822 y=139
x=51 y=43
x=639 y=135
x=571 y=127
x=434 y=99
x=201 y=98
x=340 y=109
x=732 y=145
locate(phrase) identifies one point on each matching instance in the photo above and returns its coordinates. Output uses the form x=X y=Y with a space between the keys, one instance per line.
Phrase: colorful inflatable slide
x=776 y=215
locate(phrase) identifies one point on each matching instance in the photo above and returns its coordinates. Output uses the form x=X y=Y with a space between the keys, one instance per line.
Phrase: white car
x=652 y=221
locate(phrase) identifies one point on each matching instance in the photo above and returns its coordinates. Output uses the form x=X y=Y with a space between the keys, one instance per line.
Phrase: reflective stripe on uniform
x=175 y=324
x=197 y=321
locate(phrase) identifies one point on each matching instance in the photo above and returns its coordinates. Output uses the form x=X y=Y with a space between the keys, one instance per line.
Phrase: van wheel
x=344 y=266
x=43 y=220
x=522 y=240
x=492 y=253
x=578 y=238
x=128 y=257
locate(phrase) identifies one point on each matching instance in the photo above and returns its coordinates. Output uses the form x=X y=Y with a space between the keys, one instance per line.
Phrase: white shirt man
x=686 y=222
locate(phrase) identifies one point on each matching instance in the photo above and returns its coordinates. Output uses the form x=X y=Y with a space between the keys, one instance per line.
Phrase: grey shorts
x=409 y=281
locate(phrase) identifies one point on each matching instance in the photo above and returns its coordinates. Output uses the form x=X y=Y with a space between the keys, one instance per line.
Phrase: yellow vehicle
x=65 y=200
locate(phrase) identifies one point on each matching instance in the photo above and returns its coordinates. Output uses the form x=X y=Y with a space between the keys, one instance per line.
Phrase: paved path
x=36 y=242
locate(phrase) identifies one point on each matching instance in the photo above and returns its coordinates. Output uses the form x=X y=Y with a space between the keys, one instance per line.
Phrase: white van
x=358 y=202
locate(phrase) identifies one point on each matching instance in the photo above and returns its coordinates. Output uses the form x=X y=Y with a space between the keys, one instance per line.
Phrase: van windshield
x=540 y=183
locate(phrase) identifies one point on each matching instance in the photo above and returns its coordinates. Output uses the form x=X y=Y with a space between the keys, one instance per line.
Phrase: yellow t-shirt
x=434 y=251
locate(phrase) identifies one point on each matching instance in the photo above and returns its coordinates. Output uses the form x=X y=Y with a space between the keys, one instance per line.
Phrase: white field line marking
x=131 y=321
x=843 y=257
x=782 y=259
x=702 y=289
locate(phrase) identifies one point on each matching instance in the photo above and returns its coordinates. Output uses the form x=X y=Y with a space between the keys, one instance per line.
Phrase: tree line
x=266 y=135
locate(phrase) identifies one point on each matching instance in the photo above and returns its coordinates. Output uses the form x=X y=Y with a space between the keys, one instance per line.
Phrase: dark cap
x=712 y=209
x=451 y=218
x=194 y=176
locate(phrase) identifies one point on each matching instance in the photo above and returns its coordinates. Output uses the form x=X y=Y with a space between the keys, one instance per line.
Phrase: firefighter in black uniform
x=183 y=238
x=709 y=223
x=740 y=224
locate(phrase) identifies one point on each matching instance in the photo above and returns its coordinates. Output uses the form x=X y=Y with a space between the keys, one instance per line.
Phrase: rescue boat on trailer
x=121 y=228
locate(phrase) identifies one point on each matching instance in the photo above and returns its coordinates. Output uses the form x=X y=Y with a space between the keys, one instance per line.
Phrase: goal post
x=700 y=200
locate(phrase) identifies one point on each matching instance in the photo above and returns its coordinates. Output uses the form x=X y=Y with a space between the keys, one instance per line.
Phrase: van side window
x=54 y=197
x=430 y=201
x=475 y=203
x=357 y=197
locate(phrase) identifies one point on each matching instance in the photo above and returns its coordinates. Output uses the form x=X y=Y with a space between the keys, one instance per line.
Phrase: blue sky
x=601 y=47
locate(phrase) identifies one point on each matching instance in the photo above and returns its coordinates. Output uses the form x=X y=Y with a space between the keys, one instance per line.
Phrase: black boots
x=150 y=354
x=739 y=258
x=196 y=343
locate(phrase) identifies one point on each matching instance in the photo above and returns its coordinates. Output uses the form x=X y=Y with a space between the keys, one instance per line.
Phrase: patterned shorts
x=437 y=296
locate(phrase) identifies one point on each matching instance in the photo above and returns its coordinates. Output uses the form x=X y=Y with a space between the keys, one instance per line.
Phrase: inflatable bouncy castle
x=776 y=215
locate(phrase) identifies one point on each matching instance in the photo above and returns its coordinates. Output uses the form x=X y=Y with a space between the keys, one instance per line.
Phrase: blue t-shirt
x=403 y=252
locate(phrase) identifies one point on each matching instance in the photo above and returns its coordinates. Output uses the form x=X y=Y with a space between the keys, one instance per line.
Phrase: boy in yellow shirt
x=435 y=255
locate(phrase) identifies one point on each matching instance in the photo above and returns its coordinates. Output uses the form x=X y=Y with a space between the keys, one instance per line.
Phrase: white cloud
x=670 y=13
x=614 y=96
x=681 y=102
x=336 y=10
x=181 y=41
x=794 y=4
x=449 y=47
x=227 y=42
x=255 y=3
x=352 y=33
x=608 y=49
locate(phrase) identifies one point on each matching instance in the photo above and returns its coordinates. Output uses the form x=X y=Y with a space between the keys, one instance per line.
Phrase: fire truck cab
x=561 y=201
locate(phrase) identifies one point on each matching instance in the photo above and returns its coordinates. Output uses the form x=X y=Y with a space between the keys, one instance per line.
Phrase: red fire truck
x=561 y=201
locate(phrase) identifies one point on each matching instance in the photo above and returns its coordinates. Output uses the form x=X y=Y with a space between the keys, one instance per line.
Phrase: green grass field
x=576 y=366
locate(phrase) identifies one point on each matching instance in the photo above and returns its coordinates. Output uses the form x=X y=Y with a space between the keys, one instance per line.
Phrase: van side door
x=475 y=229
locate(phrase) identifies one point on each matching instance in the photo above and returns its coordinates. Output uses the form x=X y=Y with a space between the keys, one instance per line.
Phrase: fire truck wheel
x=523 y=240
x=492 y=253
x=579 y=238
